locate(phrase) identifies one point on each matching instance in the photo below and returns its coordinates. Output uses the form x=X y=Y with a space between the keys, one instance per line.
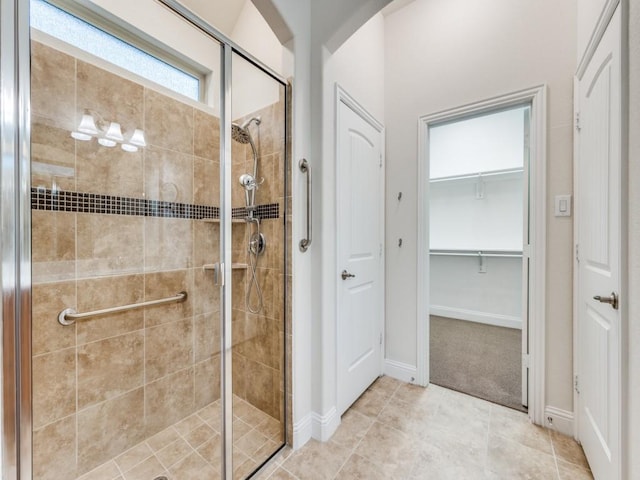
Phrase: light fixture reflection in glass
x=138 y=138
x=109 y=134
x=114 y=132
x=105 y=142
x=129 y=148
x=81 y=136
x=88 y=125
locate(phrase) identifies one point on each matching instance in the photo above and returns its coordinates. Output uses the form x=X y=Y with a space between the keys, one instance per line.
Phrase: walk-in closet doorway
x=480 y=274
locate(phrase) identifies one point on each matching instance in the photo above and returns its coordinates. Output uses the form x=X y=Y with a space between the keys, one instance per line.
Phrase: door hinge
x=380 y=254
x=576 y=384
x=578 y=121
x=577 y=253
x=380 y=165
x=525 y=360
x=380 y=338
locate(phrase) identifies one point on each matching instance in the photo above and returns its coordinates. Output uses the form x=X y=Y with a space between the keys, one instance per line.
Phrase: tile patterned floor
x=190 y=449
x=400 y=431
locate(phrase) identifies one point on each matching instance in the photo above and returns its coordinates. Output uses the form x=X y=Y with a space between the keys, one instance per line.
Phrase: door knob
x=346 y=275
x=611 y=300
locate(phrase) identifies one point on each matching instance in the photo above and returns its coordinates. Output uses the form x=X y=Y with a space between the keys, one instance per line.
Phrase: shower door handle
x=306 y=168
x=218 y=272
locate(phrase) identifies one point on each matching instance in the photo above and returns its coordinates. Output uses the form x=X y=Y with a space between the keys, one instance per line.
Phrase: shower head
x=240 y=133
x=258 y=121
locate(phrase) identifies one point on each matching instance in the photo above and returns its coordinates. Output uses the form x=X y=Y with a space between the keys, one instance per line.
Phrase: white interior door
x=599 y=235
x=359 y=249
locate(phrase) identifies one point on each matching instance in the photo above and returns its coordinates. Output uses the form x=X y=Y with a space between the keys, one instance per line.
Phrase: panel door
x=360 y=256
x=599 y=185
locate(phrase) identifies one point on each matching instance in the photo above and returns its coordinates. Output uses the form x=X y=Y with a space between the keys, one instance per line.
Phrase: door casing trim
x=537 y=97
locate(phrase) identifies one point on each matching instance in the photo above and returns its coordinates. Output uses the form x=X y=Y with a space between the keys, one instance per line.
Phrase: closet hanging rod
x=477 y=253
x=489 y=173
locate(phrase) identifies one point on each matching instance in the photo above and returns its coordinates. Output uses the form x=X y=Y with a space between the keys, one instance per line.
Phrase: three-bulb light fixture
x=109 y=134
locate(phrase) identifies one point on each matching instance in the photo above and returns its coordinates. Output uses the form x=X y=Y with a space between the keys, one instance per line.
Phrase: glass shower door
x=259 y=268
x=125 y=228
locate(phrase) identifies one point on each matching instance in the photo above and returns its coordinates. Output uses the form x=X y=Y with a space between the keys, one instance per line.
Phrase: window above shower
x=134 y=55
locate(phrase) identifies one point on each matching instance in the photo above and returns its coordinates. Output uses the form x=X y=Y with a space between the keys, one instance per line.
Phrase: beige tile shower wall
x=103 y=385
x=259 y=339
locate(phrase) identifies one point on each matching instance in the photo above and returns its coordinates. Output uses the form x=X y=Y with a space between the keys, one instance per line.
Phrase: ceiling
x=395 y=6
x=222 y=14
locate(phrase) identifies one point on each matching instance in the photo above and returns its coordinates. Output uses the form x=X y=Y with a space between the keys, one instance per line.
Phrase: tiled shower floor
x=190 y=449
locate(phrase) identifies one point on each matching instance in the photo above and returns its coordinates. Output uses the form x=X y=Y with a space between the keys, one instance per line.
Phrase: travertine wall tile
x=109 y=428
x=49 y=299
x=53 y=156
x=169 y=348
x=206 y=135
x=109 y=171
x=168 y=122
x=54 y=450
x=168 y=244
x=109 y=245
x=53 y=86
x=53 y=246
x=166 y=284
x=54 y=386
x=207 y=381
x=168 y=400
x=109 y=368
x=168 y=175
x=105 y=292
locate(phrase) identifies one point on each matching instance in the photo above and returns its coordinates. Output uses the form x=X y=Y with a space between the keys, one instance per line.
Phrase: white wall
x=633 y=405
x=589 y=12
x=459 y=220
x=296 y=14
x=358 y=66
x=252 y=89
x=441 y=55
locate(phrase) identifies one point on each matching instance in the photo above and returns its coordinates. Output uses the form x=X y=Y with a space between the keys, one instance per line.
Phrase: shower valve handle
x=346 y=275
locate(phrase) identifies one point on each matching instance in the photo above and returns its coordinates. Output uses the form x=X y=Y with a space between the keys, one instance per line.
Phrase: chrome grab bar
x=306 y=168
x=69 y=315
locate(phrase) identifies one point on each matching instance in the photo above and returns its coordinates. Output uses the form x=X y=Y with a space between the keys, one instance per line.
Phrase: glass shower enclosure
x=154 y=342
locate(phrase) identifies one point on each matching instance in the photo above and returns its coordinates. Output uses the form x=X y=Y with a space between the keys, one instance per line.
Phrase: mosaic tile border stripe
x=79 y=202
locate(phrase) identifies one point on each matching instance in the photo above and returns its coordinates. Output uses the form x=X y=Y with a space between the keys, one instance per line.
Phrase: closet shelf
x=476 y=175
x=477 y=253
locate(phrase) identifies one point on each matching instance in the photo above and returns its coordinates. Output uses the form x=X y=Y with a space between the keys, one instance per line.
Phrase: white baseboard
x=302 y=431
x=324 y=426
x=401 y=371
x=495 y=319
x=561 y=420
x=316 y=426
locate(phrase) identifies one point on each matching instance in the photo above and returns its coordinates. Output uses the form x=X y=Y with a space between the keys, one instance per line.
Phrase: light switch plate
x=563 y=205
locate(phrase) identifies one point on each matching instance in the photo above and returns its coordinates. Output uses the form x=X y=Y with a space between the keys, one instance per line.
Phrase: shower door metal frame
x=15 y=236
x=15 y=240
